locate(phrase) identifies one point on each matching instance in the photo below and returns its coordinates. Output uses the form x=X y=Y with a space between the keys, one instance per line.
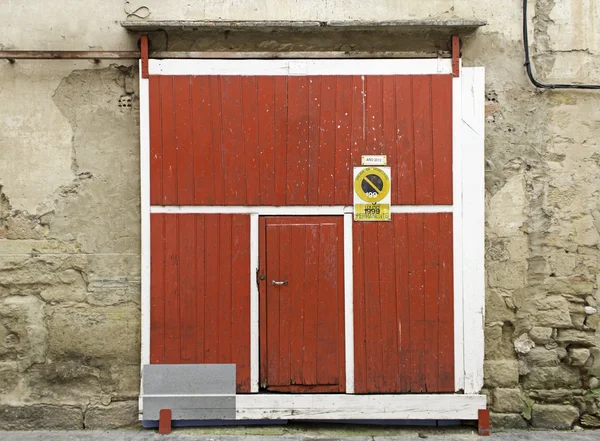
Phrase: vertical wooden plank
x=446 y=305
x=234 y=156
x=327 y=163
x=431 y=275
x=172 y=291
x=401 y=251
x=240 y=311
x=340 y=305
x=281 y=109
x=423 y=139
x=311 y=264
x=273 y=296
x=403 y=177
x=441 y=96
x=156 y=147
x=184 y=152
x=374 y=115
x=188 y=290
x=297 y=151
x=169 y=163
x=211 y=302
x=358 y=119
x=297 y=280
x=224 y=293
x=417 y=307
x=157 y=288
x=266 y=138
x=262 y=303
x=202 y=138
x=285 y=307
x=251 y=140
x=388 y=307
x=220 y=174
x=343 y=140
x=327 y=312
x=374 y=349
x=389 y=123
x=360 y=357
x=314 y=139
x=201 y=291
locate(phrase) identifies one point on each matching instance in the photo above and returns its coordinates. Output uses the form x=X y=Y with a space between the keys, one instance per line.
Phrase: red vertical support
x=144 y=43
x=483 y=422
x=164 y=422
x=455 y=55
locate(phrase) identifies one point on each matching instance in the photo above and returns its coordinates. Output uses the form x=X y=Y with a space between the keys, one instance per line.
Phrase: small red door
x=302 y=304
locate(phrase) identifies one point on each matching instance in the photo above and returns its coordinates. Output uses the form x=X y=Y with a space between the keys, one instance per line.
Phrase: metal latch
x=273 y=282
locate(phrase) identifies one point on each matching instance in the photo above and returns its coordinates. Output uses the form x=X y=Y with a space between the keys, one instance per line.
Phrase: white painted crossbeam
x=348 y=407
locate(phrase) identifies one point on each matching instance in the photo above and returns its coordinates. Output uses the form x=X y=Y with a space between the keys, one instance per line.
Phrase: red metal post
x=164 y=422
x=483 y=422
x=455 y=55
x=144 y=55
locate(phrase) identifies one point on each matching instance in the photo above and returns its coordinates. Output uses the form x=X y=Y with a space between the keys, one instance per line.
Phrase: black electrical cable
x=535 y=82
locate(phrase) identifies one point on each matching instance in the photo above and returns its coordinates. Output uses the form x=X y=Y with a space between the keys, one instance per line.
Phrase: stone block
x=594 y=369
x=501 y=373
x=507 y=275
x=40 y=417
x=553 y=416
x=22 y=327
x=105 y=333
x=523 y=344
x=572 y=336
x=507 y=400
x=556 y=395
x=113 y=416
x=588 y=420
x=500 y=421
x=496 y=309
x=540 y=356
x=552 y=377
x=553 y=312
x=579 y=356
x=541 y=335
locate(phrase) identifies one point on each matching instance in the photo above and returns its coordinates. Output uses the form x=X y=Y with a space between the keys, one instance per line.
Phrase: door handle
x=273 y=282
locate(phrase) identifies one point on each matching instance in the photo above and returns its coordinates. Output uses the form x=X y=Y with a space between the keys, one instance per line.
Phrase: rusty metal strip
x=455 y=55
x=69 y=55
x=144 y=55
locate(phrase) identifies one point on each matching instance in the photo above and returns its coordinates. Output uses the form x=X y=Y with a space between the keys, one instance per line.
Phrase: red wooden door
x=302 y=304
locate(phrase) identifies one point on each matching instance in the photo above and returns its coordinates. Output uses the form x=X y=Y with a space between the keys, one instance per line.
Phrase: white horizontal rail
x=342 y=407
x=292 y=210
x=430 y=66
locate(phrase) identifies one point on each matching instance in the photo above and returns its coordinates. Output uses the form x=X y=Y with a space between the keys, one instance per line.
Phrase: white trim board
x=301 y=67
x=145 y=221
x=473 y=224
x=361 y=407
x=290 y=210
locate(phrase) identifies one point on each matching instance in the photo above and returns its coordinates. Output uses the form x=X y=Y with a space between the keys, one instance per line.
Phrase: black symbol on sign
x=371 y=183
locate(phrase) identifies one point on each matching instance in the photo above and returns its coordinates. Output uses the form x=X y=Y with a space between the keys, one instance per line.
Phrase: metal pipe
x=69 y=55
x=134 y=55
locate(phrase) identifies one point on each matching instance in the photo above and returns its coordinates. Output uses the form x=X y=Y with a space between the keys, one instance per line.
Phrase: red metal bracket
x=455 y=55
x=164 y=422
x=144 y=55
x=483 y=422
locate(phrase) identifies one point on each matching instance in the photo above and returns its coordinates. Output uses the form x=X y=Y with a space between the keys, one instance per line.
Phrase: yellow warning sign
x=372 y=197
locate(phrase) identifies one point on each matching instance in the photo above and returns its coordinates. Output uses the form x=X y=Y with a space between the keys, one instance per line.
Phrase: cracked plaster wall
x=69 y=200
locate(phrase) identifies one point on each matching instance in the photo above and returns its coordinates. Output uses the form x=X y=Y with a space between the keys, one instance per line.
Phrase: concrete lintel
x=454 y=26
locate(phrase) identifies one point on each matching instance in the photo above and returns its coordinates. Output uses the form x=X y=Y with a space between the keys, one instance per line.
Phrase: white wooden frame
x=468 y=216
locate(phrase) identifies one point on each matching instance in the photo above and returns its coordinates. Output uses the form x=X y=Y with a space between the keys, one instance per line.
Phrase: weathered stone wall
x=69 y=200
